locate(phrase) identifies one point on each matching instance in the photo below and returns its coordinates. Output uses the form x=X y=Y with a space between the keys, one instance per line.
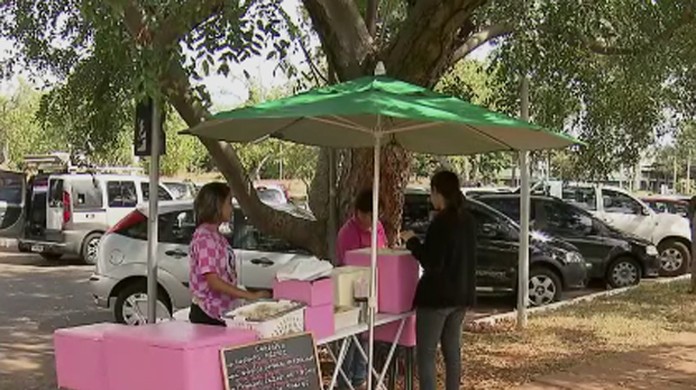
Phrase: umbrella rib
x=490 y=137
x=397 y=130
x=345 y=120
x=340 y=124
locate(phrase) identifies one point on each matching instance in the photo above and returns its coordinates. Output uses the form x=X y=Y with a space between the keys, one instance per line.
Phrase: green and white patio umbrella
x=374 y=111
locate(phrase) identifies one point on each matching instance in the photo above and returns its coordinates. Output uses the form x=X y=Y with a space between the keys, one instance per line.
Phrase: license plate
x=37 y=248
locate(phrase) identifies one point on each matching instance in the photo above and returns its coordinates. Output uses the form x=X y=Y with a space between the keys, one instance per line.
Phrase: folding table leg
x=338 y=370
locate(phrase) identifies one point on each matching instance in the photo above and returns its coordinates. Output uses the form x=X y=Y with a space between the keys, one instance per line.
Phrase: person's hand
x=406 y=235
x=263 y=294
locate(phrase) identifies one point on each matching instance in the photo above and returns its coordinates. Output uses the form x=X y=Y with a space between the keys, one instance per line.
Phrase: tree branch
x=171 y=30
x=477 y=39
x=343 y=34
x=176 y=87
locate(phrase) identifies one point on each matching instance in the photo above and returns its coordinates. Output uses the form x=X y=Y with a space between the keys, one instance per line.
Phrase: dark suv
x=618 y=258
x=554 y=265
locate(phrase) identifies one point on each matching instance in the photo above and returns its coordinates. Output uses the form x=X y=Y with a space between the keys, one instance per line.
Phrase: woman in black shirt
x=448 y=284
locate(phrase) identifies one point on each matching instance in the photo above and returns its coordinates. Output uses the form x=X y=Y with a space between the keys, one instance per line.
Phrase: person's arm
x=429 y=253
x=216 y=284
x=210 y=257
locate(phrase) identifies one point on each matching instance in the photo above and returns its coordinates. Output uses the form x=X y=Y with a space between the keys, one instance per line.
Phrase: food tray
x=281 y=318
x=346 y=316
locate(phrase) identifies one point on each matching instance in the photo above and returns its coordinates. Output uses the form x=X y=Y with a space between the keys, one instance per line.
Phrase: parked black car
x=619 y=258
x=555 y=265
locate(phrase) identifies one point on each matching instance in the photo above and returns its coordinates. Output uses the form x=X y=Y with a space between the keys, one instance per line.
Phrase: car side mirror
x=645 y=211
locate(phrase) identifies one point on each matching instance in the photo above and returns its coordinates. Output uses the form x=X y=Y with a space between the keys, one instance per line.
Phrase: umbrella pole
x=152 y=217
x=372 y=302
x=523 y=266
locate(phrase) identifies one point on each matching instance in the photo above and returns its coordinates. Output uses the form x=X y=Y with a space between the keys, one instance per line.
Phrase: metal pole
x=523 y=266
x=152 y=217
x=372 y=302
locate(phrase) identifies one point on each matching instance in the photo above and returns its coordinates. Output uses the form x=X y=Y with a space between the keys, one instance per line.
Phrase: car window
x=55 y=193
x=508 y=206
x=584 y=197
x=617 y=202
x=121 y=194
x=179 y=190
x=176 y=227
x=416 y=213
x=87 y=194
x=491 y=226
x=559 y=217
x=248 y=237
x=11 y=187
x=162 y=193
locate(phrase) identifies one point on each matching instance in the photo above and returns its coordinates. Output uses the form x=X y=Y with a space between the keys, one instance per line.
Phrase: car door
x=55 y=206
x=88 y=208
x=627 y=213
x=175 y=232
x=122 y=198
x=497 y=250
x=574 y=225
x=12 y=203
x=260 y=256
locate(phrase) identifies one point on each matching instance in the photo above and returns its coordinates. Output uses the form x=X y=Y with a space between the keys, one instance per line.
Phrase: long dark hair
x=446 y=183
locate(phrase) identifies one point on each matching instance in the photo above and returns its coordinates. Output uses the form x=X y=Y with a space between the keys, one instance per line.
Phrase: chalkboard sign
x=288 y=363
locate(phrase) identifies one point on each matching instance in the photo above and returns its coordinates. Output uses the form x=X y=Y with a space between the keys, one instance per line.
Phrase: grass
x=502 y=357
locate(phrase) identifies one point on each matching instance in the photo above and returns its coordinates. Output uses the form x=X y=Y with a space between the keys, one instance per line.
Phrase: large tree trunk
x=394 y=175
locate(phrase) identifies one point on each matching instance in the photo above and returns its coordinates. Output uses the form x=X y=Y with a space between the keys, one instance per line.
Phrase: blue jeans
x=354 y=366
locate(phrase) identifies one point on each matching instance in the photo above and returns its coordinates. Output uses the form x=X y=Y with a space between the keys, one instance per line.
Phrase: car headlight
x=574 y=257
x=651 y=250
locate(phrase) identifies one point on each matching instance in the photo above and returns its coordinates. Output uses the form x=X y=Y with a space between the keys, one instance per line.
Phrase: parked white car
x=119 y=281
x=621 y=209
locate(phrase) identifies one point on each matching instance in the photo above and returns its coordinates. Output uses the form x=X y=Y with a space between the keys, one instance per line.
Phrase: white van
x=66 y=213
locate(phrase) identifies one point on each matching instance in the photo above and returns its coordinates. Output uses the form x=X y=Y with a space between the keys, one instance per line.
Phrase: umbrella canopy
x=352 y=114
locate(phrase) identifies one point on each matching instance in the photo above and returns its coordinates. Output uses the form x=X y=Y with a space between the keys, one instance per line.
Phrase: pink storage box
x=171 y=355
x=320 y=320
x=387 y=333
x=80 y=356
x=397 y=277
x=315 y=293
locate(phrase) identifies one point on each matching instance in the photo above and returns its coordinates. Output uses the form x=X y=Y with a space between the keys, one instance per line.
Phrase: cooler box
x=343 y=280
x=80 y=356
x=314 y=293
x=397 y=277
x=171 y=355
x=319 y=320
x=387 y=333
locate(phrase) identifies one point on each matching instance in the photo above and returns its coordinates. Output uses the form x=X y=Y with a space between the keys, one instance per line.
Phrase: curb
x=495 y=319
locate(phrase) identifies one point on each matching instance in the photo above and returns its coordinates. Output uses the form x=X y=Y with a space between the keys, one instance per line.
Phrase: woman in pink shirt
x=212 y=274
x=356 y=233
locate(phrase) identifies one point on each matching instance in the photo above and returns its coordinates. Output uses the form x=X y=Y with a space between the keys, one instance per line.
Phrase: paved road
x=37 y=297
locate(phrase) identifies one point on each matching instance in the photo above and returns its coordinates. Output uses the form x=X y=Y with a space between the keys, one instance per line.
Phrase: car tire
x=131 y=304
x=51 y=256
x=623 y=272
x=90 y=247
x=674 y=258
x=545 y=286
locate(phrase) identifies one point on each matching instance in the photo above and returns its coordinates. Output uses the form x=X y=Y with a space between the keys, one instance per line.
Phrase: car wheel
x=90 y=248
x=623 y=272
x=131 y=305
x=544 y=287
x=51 y=256
x=674 y=258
